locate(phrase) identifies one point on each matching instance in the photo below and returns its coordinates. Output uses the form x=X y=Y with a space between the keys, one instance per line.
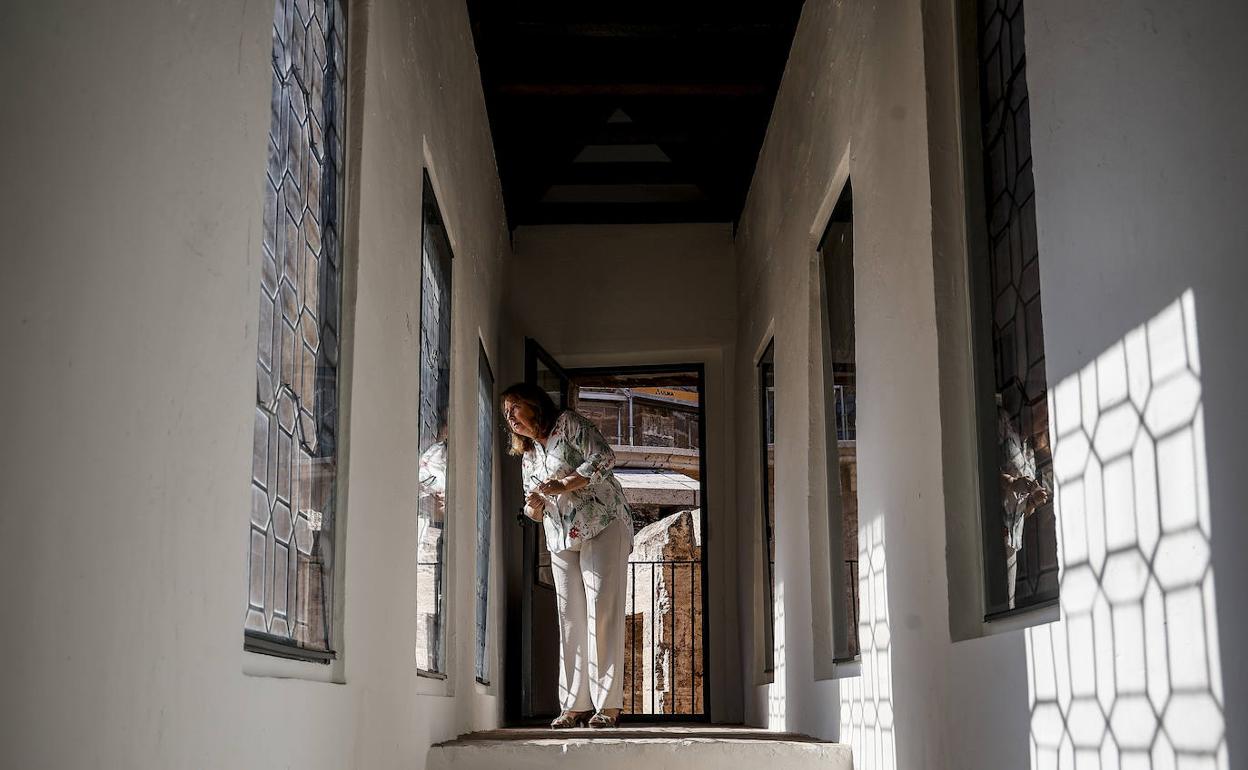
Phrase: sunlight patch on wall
x=867 y=701
x=778 y=687
x=1130 y=676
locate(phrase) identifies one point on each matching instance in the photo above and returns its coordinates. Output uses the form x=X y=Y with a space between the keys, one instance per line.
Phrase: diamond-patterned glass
x=485 y=502
x=434 y=439
x=295 y=447
x=767 y=446
x=836 y=249
x=1021 y=549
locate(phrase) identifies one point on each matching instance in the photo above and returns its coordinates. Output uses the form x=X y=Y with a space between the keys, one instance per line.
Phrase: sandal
x=603 y=719
x=571 y=719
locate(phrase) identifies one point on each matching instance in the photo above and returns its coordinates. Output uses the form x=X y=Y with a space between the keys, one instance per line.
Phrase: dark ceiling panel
x=629 y=112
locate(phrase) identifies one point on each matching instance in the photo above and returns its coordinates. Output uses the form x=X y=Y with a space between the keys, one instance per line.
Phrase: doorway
x=655 y=419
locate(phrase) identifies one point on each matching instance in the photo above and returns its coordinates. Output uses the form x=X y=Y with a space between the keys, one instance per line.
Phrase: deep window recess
x=434 y=439
x=295 y=449
x=1019 y=526
x=836 y=251
x=767 y=446
x=485 y=503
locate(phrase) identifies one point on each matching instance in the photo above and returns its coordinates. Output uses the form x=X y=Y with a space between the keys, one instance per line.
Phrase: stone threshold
x=638 y=747
x=631 y=732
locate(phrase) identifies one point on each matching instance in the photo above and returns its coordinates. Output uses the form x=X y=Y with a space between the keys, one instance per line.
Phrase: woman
x=570 y=489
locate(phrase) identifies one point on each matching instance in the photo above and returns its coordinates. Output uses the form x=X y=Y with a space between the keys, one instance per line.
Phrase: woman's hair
x=544 y=409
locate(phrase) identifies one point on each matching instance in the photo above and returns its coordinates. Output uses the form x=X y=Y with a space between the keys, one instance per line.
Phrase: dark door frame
x=533 y=353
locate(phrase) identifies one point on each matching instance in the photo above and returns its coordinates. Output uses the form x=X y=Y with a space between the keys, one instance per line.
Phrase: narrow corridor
x=912 y=332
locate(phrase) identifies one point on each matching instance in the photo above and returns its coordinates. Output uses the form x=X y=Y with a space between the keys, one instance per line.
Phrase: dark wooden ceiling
x=607 y=112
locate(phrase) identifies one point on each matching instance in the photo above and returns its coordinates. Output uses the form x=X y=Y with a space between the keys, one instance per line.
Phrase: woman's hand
x=535 y=506
x=551 y=487
x=559 y=486
x=534 y=500
x=1037 y=499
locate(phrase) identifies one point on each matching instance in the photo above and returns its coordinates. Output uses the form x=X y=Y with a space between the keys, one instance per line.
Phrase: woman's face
x=521 y=417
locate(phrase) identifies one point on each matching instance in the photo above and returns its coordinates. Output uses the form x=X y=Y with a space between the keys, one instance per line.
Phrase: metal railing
x=663 y=638
x=846 y=412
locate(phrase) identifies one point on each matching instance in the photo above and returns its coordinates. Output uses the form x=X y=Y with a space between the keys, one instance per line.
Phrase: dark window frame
x=435 y=238
x=766 y=430
x=486 y=446
x=990 y=211
x=842 y=571
x=294 y=85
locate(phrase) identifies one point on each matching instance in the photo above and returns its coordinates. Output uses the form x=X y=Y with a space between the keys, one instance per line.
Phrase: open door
x=539 y=633
x=654 y=417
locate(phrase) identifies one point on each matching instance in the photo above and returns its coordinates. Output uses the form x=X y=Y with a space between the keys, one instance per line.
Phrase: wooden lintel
x=632 y=89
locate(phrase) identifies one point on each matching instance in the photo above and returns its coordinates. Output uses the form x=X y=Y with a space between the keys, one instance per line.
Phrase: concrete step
x=638 y=748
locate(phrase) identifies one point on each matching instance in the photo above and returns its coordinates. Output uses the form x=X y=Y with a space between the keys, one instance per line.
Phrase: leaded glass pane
x=434 y=441
x=840 y=350
x=767 y=444
x=295 y=448
x=1021 y=540
x=485 y=502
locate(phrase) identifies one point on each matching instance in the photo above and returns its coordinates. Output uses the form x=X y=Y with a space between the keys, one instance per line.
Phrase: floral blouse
x=575 y=445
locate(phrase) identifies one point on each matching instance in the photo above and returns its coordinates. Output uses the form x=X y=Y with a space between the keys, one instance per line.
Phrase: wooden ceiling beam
x=623 y=173
x=636 y=12
x=622 y=213
x=632 y=89
x=697 y=80
x=695 y=33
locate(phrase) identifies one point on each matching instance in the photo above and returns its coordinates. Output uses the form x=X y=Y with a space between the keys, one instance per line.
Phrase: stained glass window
x=841 y=389
x=295 y=449
x=484 y=507
x=1019 y=527
x=485 y=502
x=767 y=446
x=434 y=438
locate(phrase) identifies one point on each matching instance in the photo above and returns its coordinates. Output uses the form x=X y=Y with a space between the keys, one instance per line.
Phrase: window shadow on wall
x=1130 y=676
x=778 y=689
x=867 y=720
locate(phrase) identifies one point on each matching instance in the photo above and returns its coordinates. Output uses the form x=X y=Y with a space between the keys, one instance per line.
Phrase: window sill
x=262 y=666
x=484 y=687
x=433 y=684
x=1017 y=620
x=847 y=669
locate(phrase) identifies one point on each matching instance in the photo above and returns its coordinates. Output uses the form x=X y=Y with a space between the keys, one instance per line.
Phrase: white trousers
x=590 y=586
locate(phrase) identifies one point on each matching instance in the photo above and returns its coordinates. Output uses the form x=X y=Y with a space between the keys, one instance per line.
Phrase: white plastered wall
x=646 y=294
x=134 y=155
x=852 y=99
x=1140 y=160
x=1139 y=192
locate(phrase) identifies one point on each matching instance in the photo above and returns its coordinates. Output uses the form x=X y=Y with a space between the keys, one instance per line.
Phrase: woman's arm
x=598 y=457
